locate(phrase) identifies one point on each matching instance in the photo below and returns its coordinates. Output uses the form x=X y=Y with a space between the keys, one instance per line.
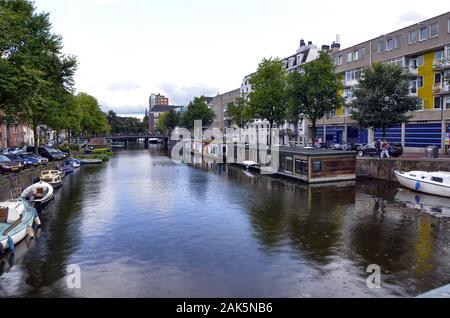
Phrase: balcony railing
x=441 y=63
x=412 y=70
x=441 y=89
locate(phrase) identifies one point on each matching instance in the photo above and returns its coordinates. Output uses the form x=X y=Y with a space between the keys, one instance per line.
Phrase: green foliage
x=198 y=110
x=36 y=79
x=69 y=148
x=93 y=120
x=382 y=98
x=103 y=151
x=126 y=125
x=93 y=156
x=268 y=99
x=314 y=91
x=239 y=112
x=169 y=121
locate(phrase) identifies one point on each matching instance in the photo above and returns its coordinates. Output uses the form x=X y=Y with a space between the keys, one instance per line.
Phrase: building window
x=420 y=104
x=356 y=55
x=398 y=41
x=434 y=30
x=420 y=60
x=439 y=55
x=349 y=57
x=413 y=37
x=420 y=81
x=381 y=46
x=447 y=102
x=437 y=102
x=448 y=26
x=339 y=60
x=437 y=78
x=423 y=34
x=389 y=44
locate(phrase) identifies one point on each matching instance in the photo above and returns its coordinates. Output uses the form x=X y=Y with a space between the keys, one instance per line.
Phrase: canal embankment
x=385 y=169
x=20 y=180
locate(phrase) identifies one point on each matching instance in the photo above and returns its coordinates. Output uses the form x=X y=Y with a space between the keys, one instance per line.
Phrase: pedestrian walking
x=385 y=149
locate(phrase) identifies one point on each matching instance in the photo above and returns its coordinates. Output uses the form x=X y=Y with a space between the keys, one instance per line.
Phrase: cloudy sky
x=128 y=49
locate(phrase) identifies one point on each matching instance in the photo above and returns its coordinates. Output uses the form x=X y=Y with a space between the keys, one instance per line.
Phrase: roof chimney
x=335 y=47
x=309 y=42
x=302 y=43
x=325 y=47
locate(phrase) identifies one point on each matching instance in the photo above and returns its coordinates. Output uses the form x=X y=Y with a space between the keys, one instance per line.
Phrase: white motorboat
x=39 y=194
x=250 y=164
x=435 y=183
x=16 y=221
x=52 y=177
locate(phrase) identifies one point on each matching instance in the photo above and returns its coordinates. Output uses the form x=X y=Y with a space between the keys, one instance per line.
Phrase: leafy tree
x=93 y=120
x=162 y=123
x=268 y=99
x=35 y=77
x=239 y=112
x=126 y=125
x=382 y=98
x=313 y=92
x=198 y=110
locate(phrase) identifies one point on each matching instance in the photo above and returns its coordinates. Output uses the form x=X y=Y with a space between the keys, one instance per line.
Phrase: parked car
x=25 y=160
x=395 y=150
x=43 y=161
x=49 y=153
x=8 y=166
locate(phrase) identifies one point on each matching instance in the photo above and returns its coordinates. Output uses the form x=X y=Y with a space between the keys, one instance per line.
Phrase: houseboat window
x=301 y=167
x=289 y=164
x=436 y=179
x=317 y=166
x=282 y=162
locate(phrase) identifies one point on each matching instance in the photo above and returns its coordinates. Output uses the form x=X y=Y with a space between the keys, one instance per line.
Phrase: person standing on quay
x=385 y=150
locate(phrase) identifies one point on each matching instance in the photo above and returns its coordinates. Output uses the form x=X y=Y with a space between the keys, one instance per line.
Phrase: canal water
x=143 y=226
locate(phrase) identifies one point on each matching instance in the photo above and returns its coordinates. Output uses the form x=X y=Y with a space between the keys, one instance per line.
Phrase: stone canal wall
x=19 y=180
x=385 y=169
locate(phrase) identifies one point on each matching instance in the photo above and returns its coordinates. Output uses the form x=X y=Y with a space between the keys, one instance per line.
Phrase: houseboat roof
x=315 y=152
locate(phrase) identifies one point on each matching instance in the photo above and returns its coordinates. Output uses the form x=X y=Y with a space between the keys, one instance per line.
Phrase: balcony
x=441 y=64
x=350 y=83
x=412 y=70
x=441 y=89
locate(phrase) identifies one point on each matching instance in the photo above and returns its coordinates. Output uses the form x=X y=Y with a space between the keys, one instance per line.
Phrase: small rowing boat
x=52 y=177
x=91 y=161
x=39 y=194
x=16 y=222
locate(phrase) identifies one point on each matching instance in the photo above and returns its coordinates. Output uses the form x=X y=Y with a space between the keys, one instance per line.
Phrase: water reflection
x=143 y=226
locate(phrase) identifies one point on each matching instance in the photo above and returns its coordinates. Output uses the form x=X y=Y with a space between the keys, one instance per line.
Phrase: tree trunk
x=313 y=132
x=36 y=139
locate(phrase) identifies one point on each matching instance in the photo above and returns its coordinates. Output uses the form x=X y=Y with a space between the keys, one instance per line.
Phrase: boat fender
x=37 y=220
x=30 y=232
x=11 y=245
x=418 y=185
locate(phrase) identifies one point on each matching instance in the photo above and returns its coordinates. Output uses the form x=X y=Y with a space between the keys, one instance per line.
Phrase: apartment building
x=158 y=99
x=220 y=104
x=423 y=50
x=12 y=136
